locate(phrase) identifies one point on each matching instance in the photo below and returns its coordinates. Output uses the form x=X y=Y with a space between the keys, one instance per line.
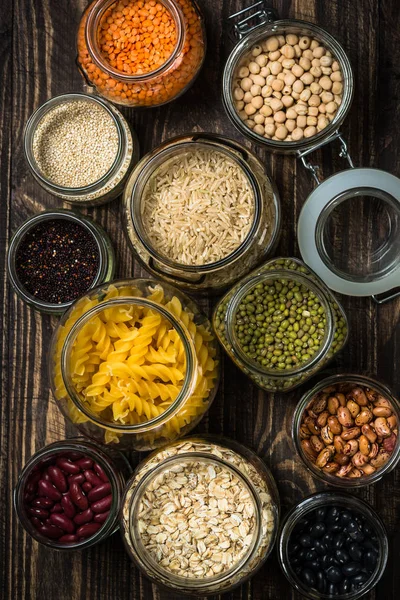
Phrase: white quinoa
x=75 y=143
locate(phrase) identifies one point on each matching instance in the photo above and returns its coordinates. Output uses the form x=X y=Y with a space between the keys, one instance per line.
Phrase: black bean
x=308 y=577
x=317 y=530
x=342 y=557
x=346 y=516
x=321 y=582
x=328 y=540
x=352 y=526
x=339 y=540
x=305 y=540
x=360 y=579
x=320 y=547
x=320 y=514
x=371 y=545
x=334 y=574
x=367 y=530
x=351 y=569
x=293 y=549
x=345 y=586
x=355 y=551
x=332 y=589
x=333 y=515
x=357 y=536
x=302 y=554
x=370 y=560
x=336 y=528
x=312 y=564
x=311 y=555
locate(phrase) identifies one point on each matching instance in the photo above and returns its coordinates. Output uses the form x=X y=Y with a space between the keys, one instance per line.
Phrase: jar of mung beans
x=141 y=53
x=280 y=324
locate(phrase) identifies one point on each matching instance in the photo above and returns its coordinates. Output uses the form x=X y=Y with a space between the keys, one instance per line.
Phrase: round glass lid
x=349 y=232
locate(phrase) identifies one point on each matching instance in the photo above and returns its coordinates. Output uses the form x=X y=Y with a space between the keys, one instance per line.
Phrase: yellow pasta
x=128 y=363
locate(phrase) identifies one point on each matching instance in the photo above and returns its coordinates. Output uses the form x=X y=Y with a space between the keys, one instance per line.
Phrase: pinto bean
x=315 y=442
x=338 y=444
x=390 y=443
x=365 y=416
x=319 y=404
x=333 y=405
x=382 y=428
x=364 y=445
x=358 y=395
x=342 y=399
x=368 y=469
x=380 y=459
x=341 y=459
x=327 y=435
x=308 y=450
x=331 y=467
x=392 y=422
x=344 y=470
x=351 y=448
x=355 y=473
x=381 y=401
x=369 y=433
x=359 y=459
x=304 y=432
x=323 y=457
x=312 y=426
x=353 y=408
x=381 y=411
x=334 y=425
x=351 y=433
x=374 y=450
x=322 y=418
x=344 y=416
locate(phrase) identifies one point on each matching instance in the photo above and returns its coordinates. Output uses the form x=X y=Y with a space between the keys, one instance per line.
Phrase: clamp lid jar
x=200 y=211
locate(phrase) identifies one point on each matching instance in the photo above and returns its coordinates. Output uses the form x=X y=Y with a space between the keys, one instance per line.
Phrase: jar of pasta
x=201 y=515
x=134 y=363
x=141 y=53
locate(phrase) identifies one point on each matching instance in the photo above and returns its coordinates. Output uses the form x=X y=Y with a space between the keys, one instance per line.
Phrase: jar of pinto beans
x=141 y=52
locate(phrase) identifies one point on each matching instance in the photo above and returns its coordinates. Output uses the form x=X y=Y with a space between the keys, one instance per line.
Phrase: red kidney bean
x=40 y=513
x=28 y=498
x=87 y=530
x=69 y=539
x=47 y=489
x=101 y=517
x=57 y=508
x=33 y=479
x=31 y=488
x=100 y=472
x=92 y=478
x=78 y=496
x=68 y=506
x=67 y=466
x=51 y=531
x=63 y=522
x=99 y=492
x=74 y=455
x=84 y=517
x=43 y=502
x=37 y=523
x=102 y=505
x=86 y=487
x=58 y=478
x=46 y=476
x=80 y=478
x=84 y=463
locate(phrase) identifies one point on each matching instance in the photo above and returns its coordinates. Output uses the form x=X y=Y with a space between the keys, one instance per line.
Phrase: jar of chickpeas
x=287 y=84
x=141 y=52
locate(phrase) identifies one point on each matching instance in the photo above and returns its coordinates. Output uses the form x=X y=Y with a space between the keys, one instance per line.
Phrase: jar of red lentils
x=141 y=52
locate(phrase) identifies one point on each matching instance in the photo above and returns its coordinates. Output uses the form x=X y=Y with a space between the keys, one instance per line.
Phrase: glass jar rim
x=18 y=237
x=333 y=498
x=149 y=169
x=85 y=447
x=301 y=407
x=191 y=364
x=35 y=119
x=94 y=16
x=273 y=28
x=233 y=307
x=140 y=488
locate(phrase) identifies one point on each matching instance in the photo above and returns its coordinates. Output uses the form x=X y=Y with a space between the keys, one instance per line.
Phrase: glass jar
x=114 y=465
x=335 y=335
x=334 y=383
x=142 y=398
x=111 y=183
x=260 y=241
x=254 y=29
x=213 y=458
x=154 y=88
x=105 y=251
x=333 y=499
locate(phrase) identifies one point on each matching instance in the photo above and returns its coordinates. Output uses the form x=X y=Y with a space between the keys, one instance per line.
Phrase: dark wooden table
x=37 y=44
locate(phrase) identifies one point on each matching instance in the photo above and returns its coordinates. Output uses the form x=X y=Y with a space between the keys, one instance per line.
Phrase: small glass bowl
x=334 y=499
x=305 y=401
x=115 y=466
x=106 y=256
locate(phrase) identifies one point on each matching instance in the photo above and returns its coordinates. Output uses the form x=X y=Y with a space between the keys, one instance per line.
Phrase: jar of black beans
x=333 y=545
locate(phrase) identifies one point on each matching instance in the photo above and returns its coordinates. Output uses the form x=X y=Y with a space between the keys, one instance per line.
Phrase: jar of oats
x=200 y=516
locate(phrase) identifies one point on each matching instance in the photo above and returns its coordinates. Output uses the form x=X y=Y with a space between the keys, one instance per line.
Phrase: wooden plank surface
x=37 y=49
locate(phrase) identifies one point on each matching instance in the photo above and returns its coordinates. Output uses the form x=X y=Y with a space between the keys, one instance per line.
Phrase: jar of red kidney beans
x=68 y=494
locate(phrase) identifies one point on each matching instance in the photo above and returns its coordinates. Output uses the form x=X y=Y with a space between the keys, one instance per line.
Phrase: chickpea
x=331 y=108
x=335 y=66
x=315 y=62
x=305 y=95
x=315 y=88
x=261 y=60
x=250 y=123
x=316 y=71
x=256 y=50
x=270 y=129
x=310 y=131
x=305 y=63
x=336 y=76
x=292 y=39
x=295 y=95
x=307 y=78
x=278 y=85
x=298 y=86
x=337 y=87
x=301 y=109
x=270 y=44
x=269 y=121
x=259 y=118
x=238 y=93
x=291 y=114
x=297 y=70
x=270 y=79
x=326 y=97
x=290 y=125
x=322 y=108
x=277 y=95
x=319 y=51
x=287 y=90
x=326 y=61
x=239 y=105
x=259 y=80
x=266 y=91
x=281 y=76
x=338 y=100
x=266 y=111
x=246 y=84
x=281 y=132
x=280 y=116
x=313 y=111
x=249 y=109
x=281 y=40
x=275 y=67
x=326 y=70
x=297 y=134
x=242 y=115
x=290 y=78
x=322 y=122
x=288 y=63
x=243 y=72
x=259 y=129
x=287 y=101
x=274 y=56
x=314 y=100
x=254 y=68
x=301 y=121
x=298 y=51
x=287 y=51
x=304 y=42
x=265 y=71
x=312 y=121
x=257 y=102
x=325 y=82
x=255 y=90
x=276 y=104
x=308 y=54
x=328 y=53
x=248 y=97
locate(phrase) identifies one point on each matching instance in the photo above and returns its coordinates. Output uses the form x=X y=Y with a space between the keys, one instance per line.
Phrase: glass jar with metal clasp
x=365 y=200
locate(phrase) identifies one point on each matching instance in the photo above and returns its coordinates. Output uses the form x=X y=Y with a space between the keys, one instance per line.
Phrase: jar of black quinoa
x=333 y=545
x=57 y=256
x=280 y=324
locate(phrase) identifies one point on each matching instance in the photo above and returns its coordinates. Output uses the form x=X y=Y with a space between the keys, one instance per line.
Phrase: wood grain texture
x=37 y=46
